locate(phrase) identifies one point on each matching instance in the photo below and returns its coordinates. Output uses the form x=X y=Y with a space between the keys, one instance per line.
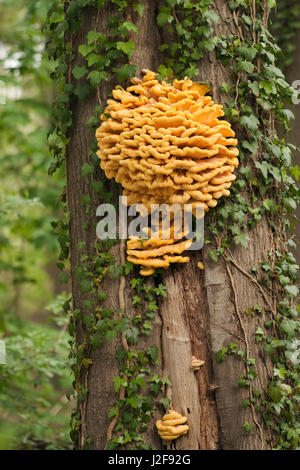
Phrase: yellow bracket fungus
x=166 y=143
x=200 y=265
x=196 y=363
x=172 y=426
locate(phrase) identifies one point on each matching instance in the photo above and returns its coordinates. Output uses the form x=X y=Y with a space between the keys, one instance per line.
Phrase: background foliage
x=34 y=412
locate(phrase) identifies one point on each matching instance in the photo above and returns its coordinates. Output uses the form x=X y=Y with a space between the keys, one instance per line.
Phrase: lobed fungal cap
x=172 y=426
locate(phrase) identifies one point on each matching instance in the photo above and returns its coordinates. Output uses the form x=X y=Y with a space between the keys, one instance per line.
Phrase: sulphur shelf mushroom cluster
x=165 y=143
x=172 y=426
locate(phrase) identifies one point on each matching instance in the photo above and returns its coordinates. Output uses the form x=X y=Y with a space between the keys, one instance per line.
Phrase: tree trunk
x=203 y=310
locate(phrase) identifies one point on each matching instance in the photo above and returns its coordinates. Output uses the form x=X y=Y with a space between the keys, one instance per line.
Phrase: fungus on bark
x=196 y=363
x=165 y=144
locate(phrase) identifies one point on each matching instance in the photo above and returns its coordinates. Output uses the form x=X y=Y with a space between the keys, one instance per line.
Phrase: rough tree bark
x=204 y=310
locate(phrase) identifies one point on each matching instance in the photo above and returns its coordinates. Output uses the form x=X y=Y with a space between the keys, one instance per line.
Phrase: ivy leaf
x=259 y=331
x=208 y=44
x=286 y=389
x=211 y=16
x=136 y=300
x=126 y=27
x=152 y=306
x=245 y=403
x=268 y=87
x=164 y=16
x=139 y=8
x=97 y=77
x=139 y=380
x=221 y=354
x=268 y=204
x=96 y=340
x=290 y=203
x=57 y=16
x=274 y=393
x=247 y=426
x=86 y=170
x=133 y=401
x=269 y=349
x=246 y=66
x=273 y=72
x=241 y=239
x=292 y=290
x=251 y=122
x=288 y=114
x=265 y=104
x=119 y=382
x=164 y=71
x=85 y=49
x=289 y=327
x=286 y=155
x=295 y=172
x=293 y=356
x=92 y=59
x=226 y=87
x=82 y=91
x=121 y=4
x=128 y=267
x=166 y=381
x=213 y=255
x=95 y=36
x=132 y=335
x=113 y=412
x=263 y=167
x=152 y=353
x=275 y=172
x=127 y=47
x=292 y=244
x=84 y=3
x=154 y=379
x=86 y=362
x=251 y=146
x=165 y=402
x=284 y=280
x=161 y=290
x=254 y=87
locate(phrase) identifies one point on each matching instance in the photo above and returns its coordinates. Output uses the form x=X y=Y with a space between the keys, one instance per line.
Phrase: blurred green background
x=34 y=410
